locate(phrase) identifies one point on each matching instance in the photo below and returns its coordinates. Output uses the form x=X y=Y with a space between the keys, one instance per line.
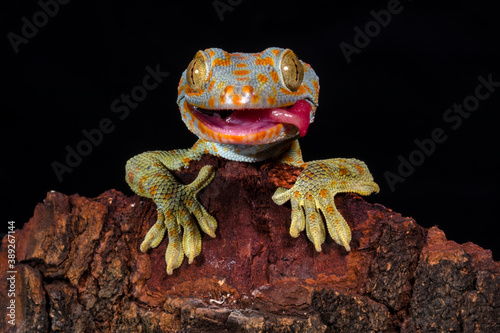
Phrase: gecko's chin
x=249 y=126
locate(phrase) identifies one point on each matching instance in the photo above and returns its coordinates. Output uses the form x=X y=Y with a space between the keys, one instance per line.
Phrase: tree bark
x=79 y=268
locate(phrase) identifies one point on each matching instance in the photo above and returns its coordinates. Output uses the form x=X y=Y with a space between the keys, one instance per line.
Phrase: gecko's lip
x=242 y=122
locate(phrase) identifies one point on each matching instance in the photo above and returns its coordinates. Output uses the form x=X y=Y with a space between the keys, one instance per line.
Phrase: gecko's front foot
x=314 y=191
x=178 y=207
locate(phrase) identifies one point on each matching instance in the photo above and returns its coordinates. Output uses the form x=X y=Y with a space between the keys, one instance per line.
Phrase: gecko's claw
x=314 y=191
x=177 y=209
x=154 y=236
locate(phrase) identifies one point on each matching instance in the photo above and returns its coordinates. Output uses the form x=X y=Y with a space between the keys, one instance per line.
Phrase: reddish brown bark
x=79 y=268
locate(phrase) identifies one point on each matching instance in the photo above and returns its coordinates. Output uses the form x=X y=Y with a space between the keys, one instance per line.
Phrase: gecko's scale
x=245 y=107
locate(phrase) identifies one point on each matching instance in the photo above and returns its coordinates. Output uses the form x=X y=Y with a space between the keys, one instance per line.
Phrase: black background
x=394 y=91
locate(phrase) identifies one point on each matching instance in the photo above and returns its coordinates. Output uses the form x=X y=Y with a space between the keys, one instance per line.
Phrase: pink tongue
x=298 y=115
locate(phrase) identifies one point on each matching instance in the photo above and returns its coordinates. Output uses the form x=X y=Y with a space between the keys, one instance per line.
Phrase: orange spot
x=236 y=138
x=211 y=85
x=228 y=93
x=211 y=102
x=141 y=183
x=343 y=171
x=276 y=52
x=220 y=62
x=181 y=89
x=168 y=215
x=211 y=53
x=255 y=99
x=299 y=91
x=271 y=100
x=308 y=173
x=130 y=176
x=296 y=194
x=189 y=91
x=359 y=168
x=241 y=65
x=316 y=86
x=262 y=78
x=241 y=72
x=229 y=90
x=186 y=160
x=202 y=129
x=260 y=136
x=323 y=193
x=264 y=61
x=239 y=56
x=308 y=89
x=274 y=76
x=247 y=90
x=330 y=209
x=153 y=190
x=237 y=99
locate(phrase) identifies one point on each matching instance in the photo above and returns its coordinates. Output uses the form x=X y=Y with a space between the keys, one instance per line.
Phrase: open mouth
x=251 y=121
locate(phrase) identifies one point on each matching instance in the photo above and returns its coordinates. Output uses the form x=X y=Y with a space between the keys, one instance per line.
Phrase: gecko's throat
x=253 y=126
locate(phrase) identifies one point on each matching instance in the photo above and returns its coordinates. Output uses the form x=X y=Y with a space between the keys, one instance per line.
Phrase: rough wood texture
x=80 y=269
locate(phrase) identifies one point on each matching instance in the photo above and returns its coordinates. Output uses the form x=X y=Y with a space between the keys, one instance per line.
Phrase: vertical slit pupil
x=296 y=69
x=192 y=74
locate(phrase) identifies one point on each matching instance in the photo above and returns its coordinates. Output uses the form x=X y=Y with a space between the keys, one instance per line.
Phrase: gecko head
x=248 y=98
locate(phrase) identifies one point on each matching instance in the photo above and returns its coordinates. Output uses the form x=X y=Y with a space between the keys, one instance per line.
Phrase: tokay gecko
x=245 y=107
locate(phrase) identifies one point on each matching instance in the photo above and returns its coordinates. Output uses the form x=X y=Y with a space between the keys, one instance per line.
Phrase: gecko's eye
x=292 y=70
x=197 y=72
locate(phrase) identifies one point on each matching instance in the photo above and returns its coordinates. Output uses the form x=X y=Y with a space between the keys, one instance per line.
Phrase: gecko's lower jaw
x=251 y=126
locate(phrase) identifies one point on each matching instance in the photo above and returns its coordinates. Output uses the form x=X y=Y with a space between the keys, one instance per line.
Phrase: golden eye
x=292 y=70
x=196 y=73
